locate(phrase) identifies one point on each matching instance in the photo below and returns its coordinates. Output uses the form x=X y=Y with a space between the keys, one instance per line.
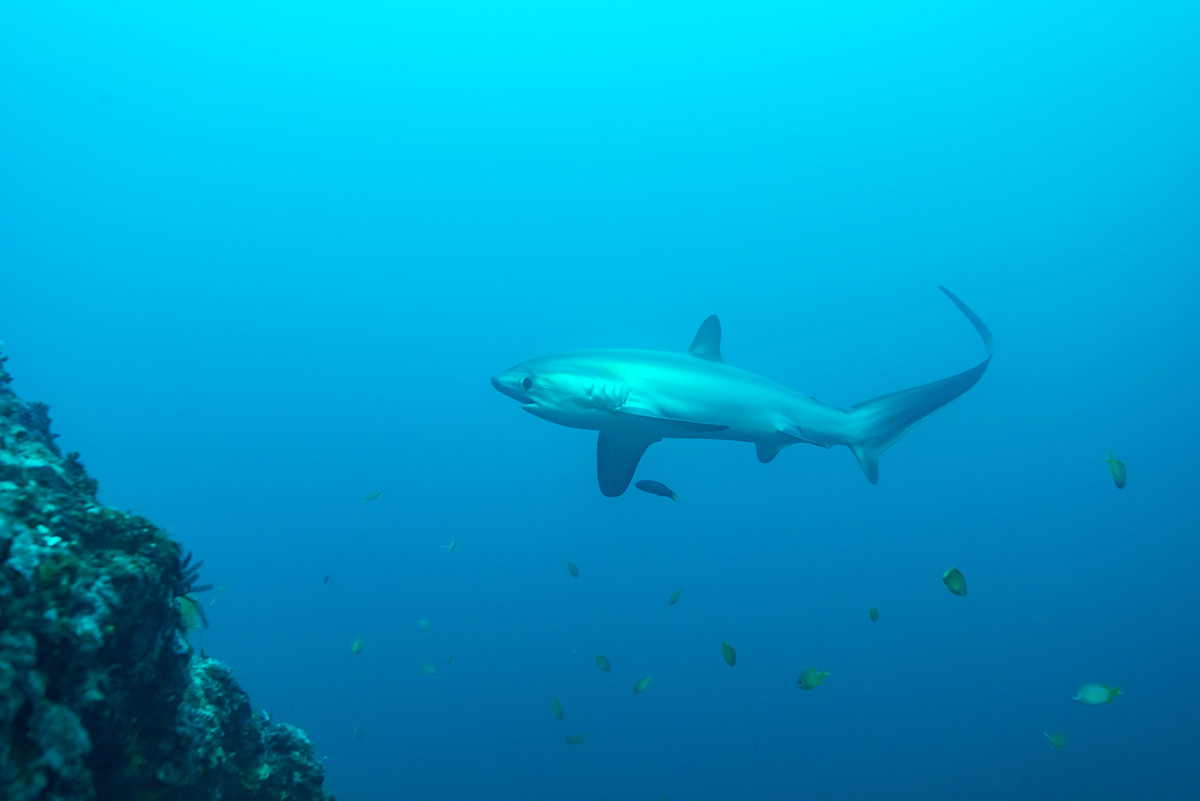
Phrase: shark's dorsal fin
x=707 y=344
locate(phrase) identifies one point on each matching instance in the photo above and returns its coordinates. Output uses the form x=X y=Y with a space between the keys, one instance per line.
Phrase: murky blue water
x=262 y=259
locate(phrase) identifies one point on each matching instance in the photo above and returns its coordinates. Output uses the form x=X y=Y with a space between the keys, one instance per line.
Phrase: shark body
x=635 y=398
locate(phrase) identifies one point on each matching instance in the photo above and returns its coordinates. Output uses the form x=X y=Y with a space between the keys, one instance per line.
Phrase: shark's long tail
x=877 y=424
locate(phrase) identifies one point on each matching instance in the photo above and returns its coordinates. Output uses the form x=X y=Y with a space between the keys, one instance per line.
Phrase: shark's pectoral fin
x=688 y=425
x=646 y=411
x=617 y=455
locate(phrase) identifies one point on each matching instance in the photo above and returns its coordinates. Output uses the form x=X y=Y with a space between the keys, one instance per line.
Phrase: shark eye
x=527 y=383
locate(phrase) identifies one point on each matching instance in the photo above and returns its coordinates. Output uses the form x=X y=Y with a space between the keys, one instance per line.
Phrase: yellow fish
x=874 y=614
x=556 y=708
x=373 y=494
x=674 y=596
x=1095 y=694
x=356 y=647
x=602 y=663
x=574 y=571
x=1057 y=739
x=955 y=581
x=729 y=654
x=1117 y=468
x=574 y=739
x=190 y=612
x=810 y=678
x=427 y=668
x=641 y=685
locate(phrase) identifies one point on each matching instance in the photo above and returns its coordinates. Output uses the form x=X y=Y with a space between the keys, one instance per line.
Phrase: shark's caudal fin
x=877 y=424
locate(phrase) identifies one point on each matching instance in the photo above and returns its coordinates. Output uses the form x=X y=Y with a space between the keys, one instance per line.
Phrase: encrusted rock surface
x=101 y=696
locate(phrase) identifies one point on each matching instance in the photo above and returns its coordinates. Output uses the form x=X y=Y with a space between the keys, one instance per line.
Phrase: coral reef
x=101 y=695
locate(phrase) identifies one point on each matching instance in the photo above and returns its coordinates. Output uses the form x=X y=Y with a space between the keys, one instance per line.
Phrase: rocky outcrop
x=101 y=695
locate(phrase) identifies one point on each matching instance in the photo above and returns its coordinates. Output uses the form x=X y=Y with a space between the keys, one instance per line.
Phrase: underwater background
x=262 y=259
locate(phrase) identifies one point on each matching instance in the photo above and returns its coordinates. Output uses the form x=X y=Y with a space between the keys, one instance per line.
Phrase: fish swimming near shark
x=635 y=398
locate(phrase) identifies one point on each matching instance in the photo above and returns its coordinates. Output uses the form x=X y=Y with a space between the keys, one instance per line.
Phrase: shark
x=635 y=398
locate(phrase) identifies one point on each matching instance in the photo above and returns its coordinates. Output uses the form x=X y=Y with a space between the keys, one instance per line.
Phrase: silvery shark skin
x=635 y=398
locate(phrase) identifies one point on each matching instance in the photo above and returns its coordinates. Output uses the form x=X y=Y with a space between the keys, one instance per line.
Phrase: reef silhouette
x=101 y=694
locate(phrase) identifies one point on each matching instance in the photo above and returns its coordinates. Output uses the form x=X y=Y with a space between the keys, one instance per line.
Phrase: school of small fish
x=809 y=679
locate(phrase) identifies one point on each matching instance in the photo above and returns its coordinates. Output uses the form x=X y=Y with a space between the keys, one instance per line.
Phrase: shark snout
x=512 y=383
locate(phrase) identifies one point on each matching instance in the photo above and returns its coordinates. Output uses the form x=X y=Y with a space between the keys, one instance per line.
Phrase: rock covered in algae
x=101 y=695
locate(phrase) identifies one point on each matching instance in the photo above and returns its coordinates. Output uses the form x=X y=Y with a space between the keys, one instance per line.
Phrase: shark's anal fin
x=617 y=455
x=707 y=344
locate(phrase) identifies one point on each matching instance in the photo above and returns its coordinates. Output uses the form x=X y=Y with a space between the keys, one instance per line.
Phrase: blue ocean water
x=262 y=259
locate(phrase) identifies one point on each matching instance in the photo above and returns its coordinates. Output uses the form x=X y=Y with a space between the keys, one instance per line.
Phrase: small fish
x=356 y=647
x=220 y=589
x=602 y=663
x=641 y=685
x=326 y=579
x=574 y=739
x=729 y=654
x=427 y=668
x=453 y=544
x=373 y=494
x=358 y=734
x=656 y=488
x=425 y=623
x=1057 y=739
x=955 y=581
x=574 y=571
x=674 y=596
x=556 y=708
x=874 y=614
x=1093 y=694
x=1117 y=468
x=449 y=658
x=190 y=612
x=810 y=678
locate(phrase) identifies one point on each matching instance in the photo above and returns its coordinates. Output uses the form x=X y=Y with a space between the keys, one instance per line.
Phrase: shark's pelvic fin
x=618 y=452
x=786 y=434
x=879 y=422
x=769 y=450
x=707 y=344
